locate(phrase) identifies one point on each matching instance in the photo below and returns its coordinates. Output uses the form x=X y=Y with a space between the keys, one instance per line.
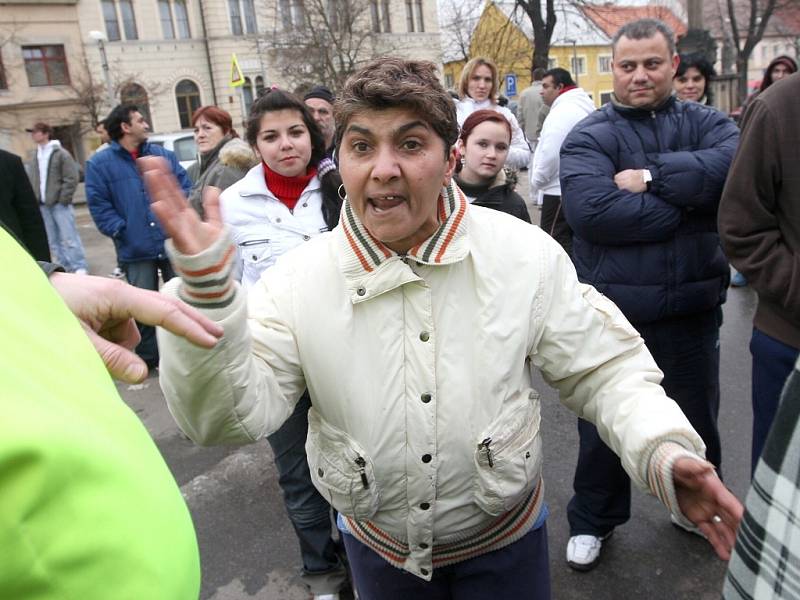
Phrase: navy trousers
x=773 y=362
x=686 y=349
x=519 y=571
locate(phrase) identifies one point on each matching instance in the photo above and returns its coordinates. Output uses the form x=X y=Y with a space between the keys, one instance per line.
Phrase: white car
x=181 y=143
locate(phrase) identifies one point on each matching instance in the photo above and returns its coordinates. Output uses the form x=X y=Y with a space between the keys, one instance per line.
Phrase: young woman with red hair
x=484 y=144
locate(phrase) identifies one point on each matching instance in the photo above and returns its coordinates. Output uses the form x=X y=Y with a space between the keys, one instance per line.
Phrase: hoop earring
x=342 y=193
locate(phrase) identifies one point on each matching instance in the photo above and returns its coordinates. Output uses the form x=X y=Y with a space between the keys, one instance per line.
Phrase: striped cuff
x=660 y=480
x=206 y=277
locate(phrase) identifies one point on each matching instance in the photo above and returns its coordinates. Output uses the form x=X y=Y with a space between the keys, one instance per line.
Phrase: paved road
x=249 y=551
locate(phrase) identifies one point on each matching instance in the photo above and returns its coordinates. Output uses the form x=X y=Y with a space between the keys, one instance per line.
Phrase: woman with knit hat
x=290 y=197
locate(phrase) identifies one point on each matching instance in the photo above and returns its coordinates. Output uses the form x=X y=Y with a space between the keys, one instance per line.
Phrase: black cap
x=320 y=91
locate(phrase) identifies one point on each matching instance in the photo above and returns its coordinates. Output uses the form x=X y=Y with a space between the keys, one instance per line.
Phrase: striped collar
x=363 y=254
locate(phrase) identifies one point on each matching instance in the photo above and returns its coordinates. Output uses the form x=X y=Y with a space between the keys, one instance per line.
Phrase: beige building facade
x=172 y=56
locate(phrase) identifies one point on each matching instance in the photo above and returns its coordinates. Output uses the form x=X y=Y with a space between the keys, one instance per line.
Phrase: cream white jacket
x=414 y=362
x=263 y=227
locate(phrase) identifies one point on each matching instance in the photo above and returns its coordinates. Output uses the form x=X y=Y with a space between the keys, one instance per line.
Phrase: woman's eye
x=502 y=148
x=483 y=144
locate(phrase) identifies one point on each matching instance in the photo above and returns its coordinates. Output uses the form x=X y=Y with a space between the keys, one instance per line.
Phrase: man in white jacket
x=568 y=104
x=414 y=331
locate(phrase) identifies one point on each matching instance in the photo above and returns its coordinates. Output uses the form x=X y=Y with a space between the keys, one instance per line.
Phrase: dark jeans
x=773 y=362
x=554 y=223
x=144 y=274
x=308 y=511
x=687 y=350
x=519 y=571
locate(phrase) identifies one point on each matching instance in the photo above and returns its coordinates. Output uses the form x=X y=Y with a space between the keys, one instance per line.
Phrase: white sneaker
x=583 y=551
x=117 y=273
x=326 y=596
x=81 y=272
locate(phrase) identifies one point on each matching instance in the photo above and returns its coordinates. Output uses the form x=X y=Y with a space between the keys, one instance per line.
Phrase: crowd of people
x=357 y=281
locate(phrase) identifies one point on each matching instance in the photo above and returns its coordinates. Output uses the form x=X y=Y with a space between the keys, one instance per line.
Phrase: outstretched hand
x=189 y=233
x=708 y=503
x=107 y=308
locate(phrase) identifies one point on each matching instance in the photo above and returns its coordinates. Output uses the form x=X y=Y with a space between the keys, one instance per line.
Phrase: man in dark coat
x=19 y=210
x=641 y=181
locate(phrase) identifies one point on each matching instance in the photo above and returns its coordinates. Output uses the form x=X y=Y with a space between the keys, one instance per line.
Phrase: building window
x=578 y=65
x=135 y=94
x=292 y=14
x=45 y=65
x=3 y=80
x=187 y=95
x=420 y=22
x=605 y=97
x=552 y=63
x=247 y=95
x=165 y=14
x=249 y=16
x=259 y=86
x=604 y=63
x=182 y=19
x=128 y=20
x=449 y=81
x=235 y=13
x=379 y=11
x=112 y=24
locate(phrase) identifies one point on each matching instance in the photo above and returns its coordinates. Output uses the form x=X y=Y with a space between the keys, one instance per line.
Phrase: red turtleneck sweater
x=287 y=189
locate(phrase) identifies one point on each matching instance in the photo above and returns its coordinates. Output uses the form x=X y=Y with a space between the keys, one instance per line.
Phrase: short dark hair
x=644 y=29
x=538 y=73
x=119 y=114
x=275 y=99
x=560 y=76
x=398 y=83
x=699 y=62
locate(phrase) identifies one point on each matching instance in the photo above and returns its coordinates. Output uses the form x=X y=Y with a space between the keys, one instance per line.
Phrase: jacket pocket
x=508 y=458
x=341 y=469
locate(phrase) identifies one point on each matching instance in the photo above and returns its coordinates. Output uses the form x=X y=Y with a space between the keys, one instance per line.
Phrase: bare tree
x=748 y=21
x=542 y=28
x=457 y=21
x=324 y=41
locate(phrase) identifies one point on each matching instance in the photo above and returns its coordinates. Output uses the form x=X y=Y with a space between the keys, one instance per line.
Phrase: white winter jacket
x=263 y=227
x=567 y=110
x=519 y=153
x=413 y=362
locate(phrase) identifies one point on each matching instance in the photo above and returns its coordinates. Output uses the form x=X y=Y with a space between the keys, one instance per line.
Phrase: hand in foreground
x=631 y=180
x=107 y=308
x=189 y=233
x=708 y=503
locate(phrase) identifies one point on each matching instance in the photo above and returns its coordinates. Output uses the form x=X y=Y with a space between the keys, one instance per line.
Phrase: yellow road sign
x=237 y=78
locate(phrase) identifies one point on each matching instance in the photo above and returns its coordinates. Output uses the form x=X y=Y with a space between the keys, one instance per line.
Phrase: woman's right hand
x=189 y=233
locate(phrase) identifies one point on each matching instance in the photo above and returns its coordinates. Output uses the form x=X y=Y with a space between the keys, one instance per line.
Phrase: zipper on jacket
x=652 y=114
x=253 y=242
x=361 y=463
x=484 y=447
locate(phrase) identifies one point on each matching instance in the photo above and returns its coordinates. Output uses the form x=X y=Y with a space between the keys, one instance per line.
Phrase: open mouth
x=385 y=202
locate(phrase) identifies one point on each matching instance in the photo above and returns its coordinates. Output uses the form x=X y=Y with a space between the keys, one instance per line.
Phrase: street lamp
x=101 y=39
x=574 y=58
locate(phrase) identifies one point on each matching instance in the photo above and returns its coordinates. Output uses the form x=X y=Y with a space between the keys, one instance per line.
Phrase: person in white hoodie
x=478 y=89
x=54 y=176
x=568 y=104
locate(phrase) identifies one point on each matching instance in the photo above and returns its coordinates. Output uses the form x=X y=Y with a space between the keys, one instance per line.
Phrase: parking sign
x=511 y=85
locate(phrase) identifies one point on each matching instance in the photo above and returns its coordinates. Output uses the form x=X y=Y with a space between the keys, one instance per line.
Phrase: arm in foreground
x=613 y=382
x=246 y=386
x=107 y=308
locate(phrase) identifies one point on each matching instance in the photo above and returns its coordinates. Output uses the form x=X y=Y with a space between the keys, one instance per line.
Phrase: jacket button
x=305 y=204
x=424 y=571
x=320 y=472
x=423 y=545
x=306 y=238
x=278 y=220
x=425 y=398
x=426 y=458
x=361 y=291
x=152 y=224
x=424 y=506
x=424 y=336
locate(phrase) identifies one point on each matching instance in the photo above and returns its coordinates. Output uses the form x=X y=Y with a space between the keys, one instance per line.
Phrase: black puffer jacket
x=656 y=254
